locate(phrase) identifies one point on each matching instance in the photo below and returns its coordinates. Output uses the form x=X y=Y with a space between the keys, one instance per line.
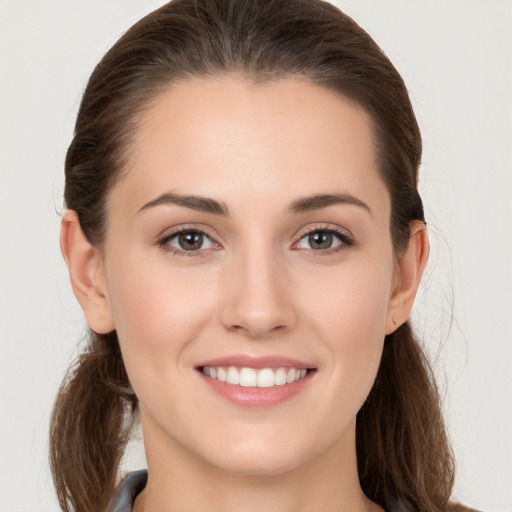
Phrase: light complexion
x=249 y=240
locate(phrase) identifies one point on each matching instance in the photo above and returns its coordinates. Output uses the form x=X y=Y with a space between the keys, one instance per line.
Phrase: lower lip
x=254 y=396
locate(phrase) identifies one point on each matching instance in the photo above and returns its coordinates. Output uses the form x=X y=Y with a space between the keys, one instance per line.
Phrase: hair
x=403 y=452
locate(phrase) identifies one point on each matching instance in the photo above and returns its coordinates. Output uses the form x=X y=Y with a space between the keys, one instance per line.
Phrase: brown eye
x=189 y=241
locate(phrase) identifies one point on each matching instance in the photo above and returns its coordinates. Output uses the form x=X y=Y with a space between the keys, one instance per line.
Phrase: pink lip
x=253 y=397
x=256 y=362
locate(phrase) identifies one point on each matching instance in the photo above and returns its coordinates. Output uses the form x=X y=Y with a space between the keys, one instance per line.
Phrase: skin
x=255 y=287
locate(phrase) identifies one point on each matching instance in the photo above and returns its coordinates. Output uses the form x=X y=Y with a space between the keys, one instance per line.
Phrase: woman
x=245 y=236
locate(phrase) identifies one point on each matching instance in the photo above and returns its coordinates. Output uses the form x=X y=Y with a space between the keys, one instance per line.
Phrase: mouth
x=255 y=378
x=259 y=382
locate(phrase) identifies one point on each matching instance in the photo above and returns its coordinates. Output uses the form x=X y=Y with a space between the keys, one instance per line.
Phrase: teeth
x=266 y=378
x=250 y=377
x=233 y=376
x=280 y=377
x=221 y=374
x=290 y=376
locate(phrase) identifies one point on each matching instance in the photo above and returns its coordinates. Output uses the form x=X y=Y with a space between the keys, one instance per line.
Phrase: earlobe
x=86 y=272
x=409 y=269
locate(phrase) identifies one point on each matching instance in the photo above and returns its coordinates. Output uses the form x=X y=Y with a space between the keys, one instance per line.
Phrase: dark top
x=135 y=482
x=127 y=491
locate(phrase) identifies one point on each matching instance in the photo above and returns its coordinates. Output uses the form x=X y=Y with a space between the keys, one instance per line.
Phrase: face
x=249 y=240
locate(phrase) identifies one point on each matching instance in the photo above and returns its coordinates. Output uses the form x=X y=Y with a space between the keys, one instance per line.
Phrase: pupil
x=320 y=240
x=190 y=241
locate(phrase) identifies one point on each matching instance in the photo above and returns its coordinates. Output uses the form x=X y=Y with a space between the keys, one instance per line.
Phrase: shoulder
x=127 y=491
x=130 y=487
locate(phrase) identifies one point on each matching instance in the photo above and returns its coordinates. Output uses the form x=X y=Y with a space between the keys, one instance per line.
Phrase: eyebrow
x=318 y=201
x=199 y=203
x=209 y=205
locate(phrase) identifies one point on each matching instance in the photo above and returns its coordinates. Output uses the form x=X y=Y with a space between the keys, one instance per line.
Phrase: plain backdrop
x=456 y=58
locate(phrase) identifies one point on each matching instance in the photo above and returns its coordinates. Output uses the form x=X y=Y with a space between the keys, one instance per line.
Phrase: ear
x=86 y=271
x=409 y=269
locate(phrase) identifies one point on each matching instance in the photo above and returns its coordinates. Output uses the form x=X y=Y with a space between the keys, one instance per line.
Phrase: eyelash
x=345 y=240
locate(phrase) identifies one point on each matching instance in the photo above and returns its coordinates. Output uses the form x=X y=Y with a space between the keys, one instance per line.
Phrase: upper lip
x=257 y=362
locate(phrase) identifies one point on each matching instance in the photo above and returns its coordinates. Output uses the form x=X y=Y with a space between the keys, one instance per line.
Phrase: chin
x=260 y=455
x=258 y=464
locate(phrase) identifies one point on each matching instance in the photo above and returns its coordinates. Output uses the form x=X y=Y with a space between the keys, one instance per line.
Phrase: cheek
x=350 y=302
x=156 y=314
x=348 y=317
x=151 y=301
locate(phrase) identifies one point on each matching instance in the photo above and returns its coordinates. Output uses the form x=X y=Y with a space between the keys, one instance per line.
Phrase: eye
x=188 y=240
x=324 y=239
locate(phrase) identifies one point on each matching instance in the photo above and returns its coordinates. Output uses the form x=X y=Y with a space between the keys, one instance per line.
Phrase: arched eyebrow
x=194 y=202
x=209 y=205
x=318 y=201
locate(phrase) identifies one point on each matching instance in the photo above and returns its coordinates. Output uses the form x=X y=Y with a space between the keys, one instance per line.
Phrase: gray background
x=456 y=58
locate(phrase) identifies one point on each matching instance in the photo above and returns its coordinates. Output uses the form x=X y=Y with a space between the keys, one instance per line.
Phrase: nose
x=259 y=300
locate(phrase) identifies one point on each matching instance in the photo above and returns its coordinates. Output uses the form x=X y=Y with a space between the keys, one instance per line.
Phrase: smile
x=251 y=377
x=250 y=381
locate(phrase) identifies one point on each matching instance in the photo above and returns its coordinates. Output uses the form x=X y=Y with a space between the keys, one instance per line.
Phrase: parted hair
x=403 y=452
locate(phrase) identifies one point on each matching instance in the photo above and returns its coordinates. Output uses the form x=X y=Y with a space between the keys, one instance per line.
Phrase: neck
x=178 y=480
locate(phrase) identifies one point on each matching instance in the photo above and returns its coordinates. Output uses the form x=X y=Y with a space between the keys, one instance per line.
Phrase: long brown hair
x=402 y=447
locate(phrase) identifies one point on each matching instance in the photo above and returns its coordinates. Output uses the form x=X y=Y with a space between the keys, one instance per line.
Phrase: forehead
x=228 y=136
